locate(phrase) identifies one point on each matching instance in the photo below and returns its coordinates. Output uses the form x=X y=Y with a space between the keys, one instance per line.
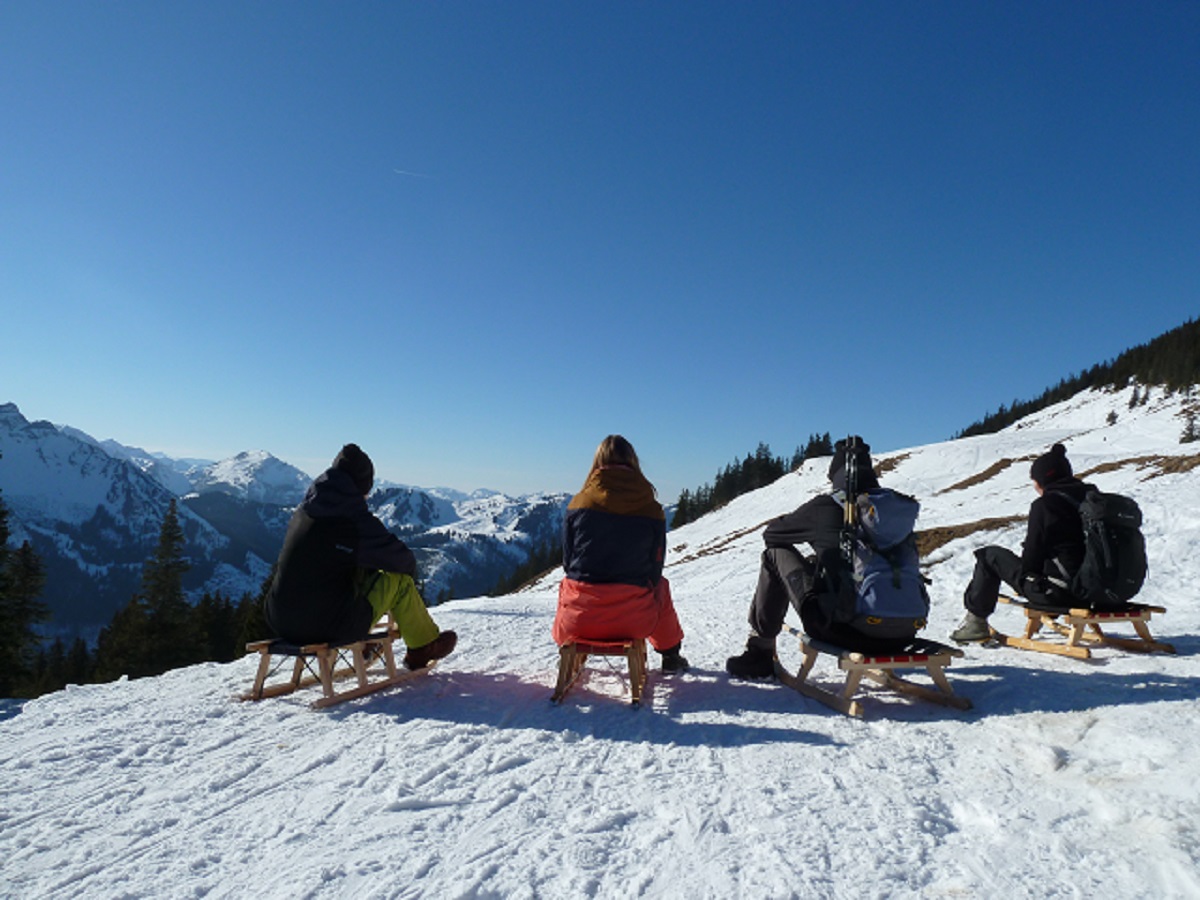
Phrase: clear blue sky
x=477 y=237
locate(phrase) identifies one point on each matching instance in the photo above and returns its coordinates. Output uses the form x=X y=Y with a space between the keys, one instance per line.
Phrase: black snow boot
x=758 y=661
x=672 y=662
x=420 y=657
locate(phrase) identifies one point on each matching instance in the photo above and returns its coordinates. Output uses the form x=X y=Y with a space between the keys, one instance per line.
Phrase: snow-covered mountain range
x=1067 y=779
x=92 y=510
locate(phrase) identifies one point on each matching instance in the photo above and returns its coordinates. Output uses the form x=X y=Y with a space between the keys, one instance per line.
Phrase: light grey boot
x=972 y=628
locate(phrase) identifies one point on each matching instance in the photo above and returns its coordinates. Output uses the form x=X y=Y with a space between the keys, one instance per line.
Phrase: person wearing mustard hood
x=614 y=541
x=340 y=570
x=1050 y=556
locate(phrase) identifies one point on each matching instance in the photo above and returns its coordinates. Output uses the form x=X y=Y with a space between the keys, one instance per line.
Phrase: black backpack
x=1114 y=561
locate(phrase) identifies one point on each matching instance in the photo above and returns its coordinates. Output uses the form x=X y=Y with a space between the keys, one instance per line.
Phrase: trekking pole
x=850 y=506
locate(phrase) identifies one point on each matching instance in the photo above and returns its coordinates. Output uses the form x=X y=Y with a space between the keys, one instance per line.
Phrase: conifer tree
x=758 y=469
x=154 y=632
x=1189 y=428
x=252 y=615
x=683 y=509
x=174 y=640
x=215 y=628
x=22 y=576
x=79 y=663
x=1171 y=360
x=122 y=646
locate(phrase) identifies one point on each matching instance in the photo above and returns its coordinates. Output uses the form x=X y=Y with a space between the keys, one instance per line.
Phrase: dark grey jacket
x=332 y=535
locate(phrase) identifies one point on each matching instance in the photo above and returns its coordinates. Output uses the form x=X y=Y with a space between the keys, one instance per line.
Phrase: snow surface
x=1068 y=779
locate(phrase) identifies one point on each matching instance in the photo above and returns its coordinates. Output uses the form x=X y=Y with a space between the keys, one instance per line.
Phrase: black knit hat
x=1051 y=467
x=864 y=473
x=358 y=466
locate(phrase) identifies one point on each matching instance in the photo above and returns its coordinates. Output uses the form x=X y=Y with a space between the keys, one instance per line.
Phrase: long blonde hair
x=615 y=450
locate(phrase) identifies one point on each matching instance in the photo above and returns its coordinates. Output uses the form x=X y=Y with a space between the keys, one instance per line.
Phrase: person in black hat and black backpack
x=1050 y=556
x=810 y=584
x=340 y=570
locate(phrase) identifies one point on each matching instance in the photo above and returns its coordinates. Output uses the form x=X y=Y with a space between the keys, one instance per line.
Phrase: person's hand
x=1031 y=583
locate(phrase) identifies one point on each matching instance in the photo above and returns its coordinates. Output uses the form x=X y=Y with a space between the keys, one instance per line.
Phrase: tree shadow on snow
x=698 y=709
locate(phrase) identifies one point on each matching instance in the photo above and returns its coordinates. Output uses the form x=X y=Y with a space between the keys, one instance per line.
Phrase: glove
x=1032 y=583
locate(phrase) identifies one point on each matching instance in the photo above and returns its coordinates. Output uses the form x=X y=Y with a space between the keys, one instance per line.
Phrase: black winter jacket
x=817 y=523
x=331 y=535
x=1055 y=530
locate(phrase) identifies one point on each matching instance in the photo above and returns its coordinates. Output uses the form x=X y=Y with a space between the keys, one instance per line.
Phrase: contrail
x=411 y=174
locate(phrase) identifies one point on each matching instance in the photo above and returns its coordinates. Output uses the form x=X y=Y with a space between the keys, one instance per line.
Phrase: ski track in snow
x=1068 y=779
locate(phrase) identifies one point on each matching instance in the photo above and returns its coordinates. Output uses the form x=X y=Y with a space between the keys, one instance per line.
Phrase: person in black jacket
x=340 y=570
x=1050 y=557
x=806 y=583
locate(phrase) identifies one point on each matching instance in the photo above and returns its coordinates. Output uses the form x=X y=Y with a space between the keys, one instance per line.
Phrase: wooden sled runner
x=880 y=668
x=321 y=661
x=1082 y=627
x=571 y=658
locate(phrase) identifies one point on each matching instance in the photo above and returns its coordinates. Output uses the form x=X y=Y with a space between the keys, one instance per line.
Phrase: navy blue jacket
x=614 y=531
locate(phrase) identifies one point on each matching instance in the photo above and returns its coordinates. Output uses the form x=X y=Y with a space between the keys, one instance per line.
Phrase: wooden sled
x=321 y=661
x=571 y=658
x=1081 y=627
x=880 y=668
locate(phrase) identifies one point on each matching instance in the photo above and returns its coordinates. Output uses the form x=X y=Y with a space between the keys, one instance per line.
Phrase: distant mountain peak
x=253 y=475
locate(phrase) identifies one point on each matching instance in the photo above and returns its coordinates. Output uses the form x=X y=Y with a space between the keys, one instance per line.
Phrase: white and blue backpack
x=889 y=596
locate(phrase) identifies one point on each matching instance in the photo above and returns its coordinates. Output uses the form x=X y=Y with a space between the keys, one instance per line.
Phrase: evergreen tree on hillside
x=683 y=509
x=757 y=470
x=1189 y=429
x=22 y=577
x=1171 y=360
x=121 y=649
x=154 y=632
x=215 y=627
x=175 y=642
x=20 y=613
x=818 y=445
x=542 y=559
x=79 y=664
x=252 y=616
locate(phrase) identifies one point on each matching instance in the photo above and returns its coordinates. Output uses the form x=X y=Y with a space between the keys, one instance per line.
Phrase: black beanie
x=864 y=473
x=358 y=466
x=1051 y=467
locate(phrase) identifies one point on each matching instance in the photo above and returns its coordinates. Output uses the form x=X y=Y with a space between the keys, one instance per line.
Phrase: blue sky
x=477 y=237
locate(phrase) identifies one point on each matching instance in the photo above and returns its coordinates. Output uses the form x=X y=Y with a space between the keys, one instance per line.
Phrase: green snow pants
x=391 y=592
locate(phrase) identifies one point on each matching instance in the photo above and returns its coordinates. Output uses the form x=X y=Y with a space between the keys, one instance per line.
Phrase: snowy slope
x=1069 y=779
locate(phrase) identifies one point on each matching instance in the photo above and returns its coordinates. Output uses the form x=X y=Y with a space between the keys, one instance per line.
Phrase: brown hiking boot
x=420 y=657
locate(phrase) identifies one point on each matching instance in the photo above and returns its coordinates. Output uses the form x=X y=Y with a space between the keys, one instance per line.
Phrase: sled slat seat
x=571 y=659
x=326 y=664
x=1081 y=627
x=878 y=667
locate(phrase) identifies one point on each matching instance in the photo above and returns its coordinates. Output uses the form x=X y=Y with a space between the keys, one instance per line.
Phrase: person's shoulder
x=818 y=504
x=1071 y=489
